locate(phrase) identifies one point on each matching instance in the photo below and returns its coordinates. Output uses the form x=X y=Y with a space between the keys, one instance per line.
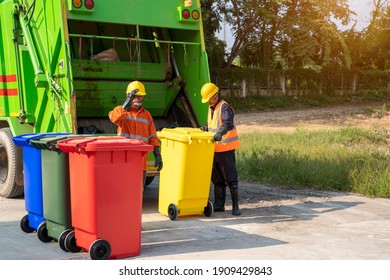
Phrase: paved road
x=275 y=225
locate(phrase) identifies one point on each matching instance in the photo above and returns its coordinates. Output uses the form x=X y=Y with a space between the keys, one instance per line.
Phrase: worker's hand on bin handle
x=157 y=159
x=217 y=137
x=126 y=105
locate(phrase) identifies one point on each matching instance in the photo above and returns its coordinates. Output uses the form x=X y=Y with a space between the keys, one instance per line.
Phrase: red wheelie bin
x=106 y=179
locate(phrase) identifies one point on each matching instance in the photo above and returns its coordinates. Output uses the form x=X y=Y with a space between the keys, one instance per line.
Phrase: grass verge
x=348 y=159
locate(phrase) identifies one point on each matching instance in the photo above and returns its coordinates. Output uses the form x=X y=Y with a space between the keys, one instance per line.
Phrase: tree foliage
x=211 y=25
x=376 y=39
x=297 y=34
x=286 y=33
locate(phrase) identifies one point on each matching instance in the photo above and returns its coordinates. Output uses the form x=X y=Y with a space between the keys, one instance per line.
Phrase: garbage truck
x=64 y=64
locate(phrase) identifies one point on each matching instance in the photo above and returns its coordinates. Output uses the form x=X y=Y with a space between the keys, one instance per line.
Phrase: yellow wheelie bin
x=184 y=188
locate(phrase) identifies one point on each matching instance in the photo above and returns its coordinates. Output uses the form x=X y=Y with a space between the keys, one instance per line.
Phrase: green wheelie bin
x=55 y=191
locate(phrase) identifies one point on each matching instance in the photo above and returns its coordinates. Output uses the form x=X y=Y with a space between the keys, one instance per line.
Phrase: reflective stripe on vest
x=142 y=121
x=230 y=140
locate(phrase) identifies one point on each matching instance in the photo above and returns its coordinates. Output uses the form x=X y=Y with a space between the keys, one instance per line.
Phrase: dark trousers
x=224 y=169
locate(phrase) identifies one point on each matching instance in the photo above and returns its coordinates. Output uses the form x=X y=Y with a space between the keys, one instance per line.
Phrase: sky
x=361 y=7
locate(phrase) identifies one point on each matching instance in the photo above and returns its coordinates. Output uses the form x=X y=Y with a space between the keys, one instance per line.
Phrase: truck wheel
x=8 y=165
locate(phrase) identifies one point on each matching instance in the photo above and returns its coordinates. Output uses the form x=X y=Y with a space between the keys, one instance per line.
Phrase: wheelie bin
x=32 y=168
x=184 y=187
x=55 y=190
x=106 y=179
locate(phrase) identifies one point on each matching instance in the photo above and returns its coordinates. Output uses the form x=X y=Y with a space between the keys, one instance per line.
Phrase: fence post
x=244 y=88
x=354 y=85
x=283 y=83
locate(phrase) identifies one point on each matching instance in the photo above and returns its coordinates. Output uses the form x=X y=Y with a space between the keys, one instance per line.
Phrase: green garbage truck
x=64 y=64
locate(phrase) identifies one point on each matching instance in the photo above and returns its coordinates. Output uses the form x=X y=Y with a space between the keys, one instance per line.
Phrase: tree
x=211 y=24
x=376 y=40
x=300 y=32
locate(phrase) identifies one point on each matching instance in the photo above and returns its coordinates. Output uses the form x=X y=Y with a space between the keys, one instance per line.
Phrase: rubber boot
x=219 y=198
x=234 y=194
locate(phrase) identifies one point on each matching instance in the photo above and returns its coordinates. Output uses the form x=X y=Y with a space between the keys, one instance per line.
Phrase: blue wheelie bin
x=32 y=168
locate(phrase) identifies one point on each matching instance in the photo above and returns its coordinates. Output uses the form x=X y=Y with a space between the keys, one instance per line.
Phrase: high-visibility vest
x=135 y=125
x=230 y=140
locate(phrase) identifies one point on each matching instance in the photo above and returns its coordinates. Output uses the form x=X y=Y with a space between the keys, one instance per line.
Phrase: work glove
x=217 y=137
x=204 y=128
x=126 y=105
x=157 y=159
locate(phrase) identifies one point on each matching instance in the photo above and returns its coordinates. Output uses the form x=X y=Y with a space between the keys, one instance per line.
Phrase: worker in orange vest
x=220 y=120
x=136 y=122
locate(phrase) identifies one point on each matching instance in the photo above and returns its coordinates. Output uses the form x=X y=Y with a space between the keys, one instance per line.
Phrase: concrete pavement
x=276 y=224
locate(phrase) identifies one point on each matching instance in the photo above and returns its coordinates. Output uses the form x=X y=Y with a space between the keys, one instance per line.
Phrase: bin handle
x=51 y=144
x=82 y=143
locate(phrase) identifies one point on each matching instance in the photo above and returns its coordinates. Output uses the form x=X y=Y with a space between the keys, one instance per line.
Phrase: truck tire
x=8 y=166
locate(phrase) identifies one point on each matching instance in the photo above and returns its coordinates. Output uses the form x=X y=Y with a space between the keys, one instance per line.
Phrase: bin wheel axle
x=61 y=239
x=70 y=243
x=172 y=211
x=43 y=234
x=100 y=250
x=209 y=209
x=25 y=225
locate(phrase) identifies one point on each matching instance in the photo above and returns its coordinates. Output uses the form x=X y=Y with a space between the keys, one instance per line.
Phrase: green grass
x=348 y=159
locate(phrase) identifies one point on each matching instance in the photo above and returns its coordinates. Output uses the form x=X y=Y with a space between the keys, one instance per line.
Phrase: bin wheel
x=172 y=211
x=70 y=243
x=25 y=225
x=209 y=209
x=149 y=180
x=61 y=239
x=100 y=250
x=42 y=233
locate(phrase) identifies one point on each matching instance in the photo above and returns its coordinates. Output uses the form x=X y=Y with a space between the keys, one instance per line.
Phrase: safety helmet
x=207 y=91
x=136 y=85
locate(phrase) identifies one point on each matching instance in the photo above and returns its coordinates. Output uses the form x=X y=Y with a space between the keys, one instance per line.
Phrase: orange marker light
x=76 y=3
x=195 y=14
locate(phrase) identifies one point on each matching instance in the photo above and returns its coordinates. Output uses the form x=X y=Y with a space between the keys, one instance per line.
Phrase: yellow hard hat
x=136 y=85
x=207 y=91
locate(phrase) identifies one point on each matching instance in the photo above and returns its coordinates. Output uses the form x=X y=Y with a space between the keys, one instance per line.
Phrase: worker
x=136 y=122
x=220 y=121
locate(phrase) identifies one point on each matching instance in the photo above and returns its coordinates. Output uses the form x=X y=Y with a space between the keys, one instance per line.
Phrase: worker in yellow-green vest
x=220 y=121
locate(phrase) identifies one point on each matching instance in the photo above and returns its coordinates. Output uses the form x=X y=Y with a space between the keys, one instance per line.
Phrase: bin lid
x=102 y=143
x=184 y=134
x=50 y=142
x=24 y=140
